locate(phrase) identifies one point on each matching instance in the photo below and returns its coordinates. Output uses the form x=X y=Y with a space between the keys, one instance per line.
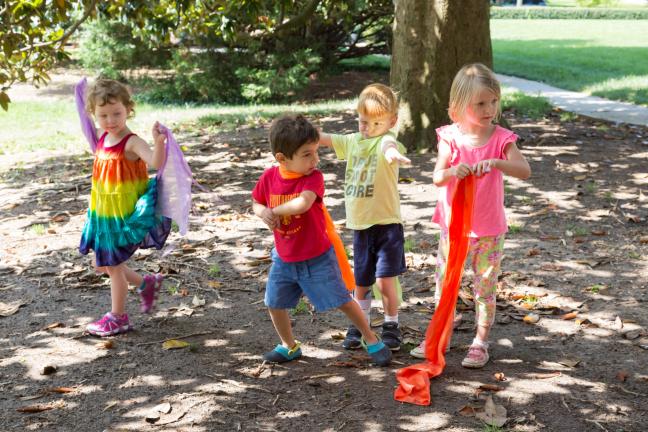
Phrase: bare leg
x=482 y=333
x=132 y=276
x=118 y=289
x=281 y=321
x=355 y=314
x=387 y=287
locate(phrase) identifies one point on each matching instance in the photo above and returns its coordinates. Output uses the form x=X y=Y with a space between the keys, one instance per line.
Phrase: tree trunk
x=433 y=39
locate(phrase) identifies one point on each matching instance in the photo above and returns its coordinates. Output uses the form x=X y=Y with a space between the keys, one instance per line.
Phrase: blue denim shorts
x=378 y=252
x=318 y=278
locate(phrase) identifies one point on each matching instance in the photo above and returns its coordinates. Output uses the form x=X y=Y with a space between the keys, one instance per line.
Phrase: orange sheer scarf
x=414 y=380
x=336 y=241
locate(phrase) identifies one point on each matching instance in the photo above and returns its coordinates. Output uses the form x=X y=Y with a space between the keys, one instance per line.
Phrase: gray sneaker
x=353 y=338
x=391 y=335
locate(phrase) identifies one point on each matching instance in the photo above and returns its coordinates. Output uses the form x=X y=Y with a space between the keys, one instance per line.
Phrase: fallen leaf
x=531 y=318
x=61 y=390
x=622 y=375
x=7 y=309
x=618 y=323
x=337 y=336
x=377 y=322
x=598 y=232
x=517 y=296
x=53 y=325
x=152 y=417
x=494 y=415
x=643 y=239
x=499 y=376
x=468 y=411
x=106 y=344
x=569 y=362
x=533 y=252
x=198 y=301
x=48 y=370
x=214 y=284
x=580 y=177
x=568 y=316
x=41 y=407
x=164 y=408
x=174 y=344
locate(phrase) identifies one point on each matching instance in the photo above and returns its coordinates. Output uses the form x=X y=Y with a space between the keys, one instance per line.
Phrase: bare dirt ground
x=575 y=264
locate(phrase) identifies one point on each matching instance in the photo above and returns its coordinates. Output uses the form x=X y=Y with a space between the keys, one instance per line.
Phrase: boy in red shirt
x=289 y=200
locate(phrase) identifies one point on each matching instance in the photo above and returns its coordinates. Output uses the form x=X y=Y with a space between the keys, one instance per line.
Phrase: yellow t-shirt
x=370 y=183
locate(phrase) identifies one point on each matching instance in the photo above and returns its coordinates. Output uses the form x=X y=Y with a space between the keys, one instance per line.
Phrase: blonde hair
x=471 y=79
x=377 y=100
x=105 y=91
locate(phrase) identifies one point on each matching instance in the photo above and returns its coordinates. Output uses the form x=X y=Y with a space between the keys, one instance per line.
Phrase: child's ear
x=394 y=120
x=280 y=157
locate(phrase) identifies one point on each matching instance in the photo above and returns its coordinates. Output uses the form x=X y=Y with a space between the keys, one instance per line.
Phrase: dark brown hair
x=289 y=132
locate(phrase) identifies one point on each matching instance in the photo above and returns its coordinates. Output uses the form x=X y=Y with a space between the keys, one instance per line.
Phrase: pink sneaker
x=109 y=325
x=477 y=356
x=149 y=290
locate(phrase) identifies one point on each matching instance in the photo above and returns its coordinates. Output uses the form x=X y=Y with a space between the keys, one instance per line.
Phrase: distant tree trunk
x=433 y=39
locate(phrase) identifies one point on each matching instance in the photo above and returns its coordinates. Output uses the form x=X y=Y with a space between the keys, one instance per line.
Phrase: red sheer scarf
x=414 y=380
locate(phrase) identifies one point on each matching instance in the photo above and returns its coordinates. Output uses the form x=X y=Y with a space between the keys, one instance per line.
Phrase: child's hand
x=158 y=136
x=462 y=170
x=483 y=167
x=269 y=218
x=393 y=155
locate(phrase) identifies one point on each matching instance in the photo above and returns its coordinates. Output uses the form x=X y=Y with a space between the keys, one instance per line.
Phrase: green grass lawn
x=607 y=58
x=35 y=125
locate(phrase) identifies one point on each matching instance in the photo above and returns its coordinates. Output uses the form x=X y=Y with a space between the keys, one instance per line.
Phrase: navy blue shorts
x=318 y=278
x=378 y=252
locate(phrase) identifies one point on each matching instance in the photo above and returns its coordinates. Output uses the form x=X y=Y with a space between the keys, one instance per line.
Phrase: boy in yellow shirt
x=373 y=206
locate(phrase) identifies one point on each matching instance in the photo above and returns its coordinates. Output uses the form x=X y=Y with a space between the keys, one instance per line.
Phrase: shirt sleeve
x=391 y=138
x=507 y=137
x=315 y=184
x=341 y=144
x=259 y=191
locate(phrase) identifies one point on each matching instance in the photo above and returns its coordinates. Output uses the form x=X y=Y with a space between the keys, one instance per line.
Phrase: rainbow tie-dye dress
x=121 y=217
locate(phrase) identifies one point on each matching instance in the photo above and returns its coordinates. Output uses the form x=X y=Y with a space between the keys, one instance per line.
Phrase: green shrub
x=108 y=48
x=200 y=77
x=277 y=77
x=532 y=12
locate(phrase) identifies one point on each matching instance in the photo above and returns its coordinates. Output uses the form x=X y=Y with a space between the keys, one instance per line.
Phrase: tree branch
x=67 y=33
x=300 y=19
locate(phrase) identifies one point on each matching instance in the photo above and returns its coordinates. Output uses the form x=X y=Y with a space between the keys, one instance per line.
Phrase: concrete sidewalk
x=580 y=103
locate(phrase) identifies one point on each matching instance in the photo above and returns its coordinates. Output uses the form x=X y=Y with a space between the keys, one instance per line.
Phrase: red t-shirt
x=299 y=237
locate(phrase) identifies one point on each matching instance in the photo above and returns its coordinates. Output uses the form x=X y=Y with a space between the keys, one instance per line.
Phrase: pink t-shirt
x=299 y=237
x=489 y=218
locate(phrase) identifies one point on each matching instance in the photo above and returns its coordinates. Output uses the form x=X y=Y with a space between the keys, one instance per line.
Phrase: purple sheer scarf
x=87 y=125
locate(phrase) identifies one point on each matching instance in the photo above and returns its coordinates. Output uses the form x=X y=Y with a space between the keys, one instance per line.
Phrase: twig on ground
x=596 y=423
x=562 y=399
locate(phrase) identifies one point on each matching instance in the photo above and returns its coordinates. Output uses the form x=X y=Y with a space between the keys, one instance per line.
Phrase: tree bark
x=433 y=39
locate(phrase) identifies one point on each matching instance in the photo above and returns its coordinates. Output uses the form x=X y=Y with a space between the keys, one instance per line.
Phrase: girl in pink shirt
x=474 y=145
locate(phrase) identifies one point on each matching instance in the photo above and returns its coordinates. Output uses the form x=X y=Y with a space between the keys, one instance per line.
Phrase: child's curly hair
x=377 y=100
x=105 y=91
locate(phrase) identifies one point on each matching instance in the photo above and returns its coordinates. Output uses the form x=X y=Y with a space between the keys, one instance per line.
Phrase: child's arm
x=155 y=158
x=265 y=213
x=390 y=150
x=296 y=206
x=443 y=172
x=325 y=139
x=515 y=164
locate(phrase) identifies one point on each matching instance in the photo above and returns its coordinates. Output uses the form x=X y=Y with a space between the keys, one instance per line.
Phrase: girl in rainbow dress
x=122 y=214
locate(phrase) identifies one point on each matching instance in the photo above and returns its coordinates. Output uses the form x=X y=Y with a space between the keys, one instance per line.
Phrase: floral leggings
x=485 y=257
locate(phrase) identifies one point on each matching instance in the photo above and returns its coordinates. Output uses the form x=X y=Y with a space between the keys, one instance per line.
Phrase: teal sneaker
x=379 y=352
x=281 y=354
